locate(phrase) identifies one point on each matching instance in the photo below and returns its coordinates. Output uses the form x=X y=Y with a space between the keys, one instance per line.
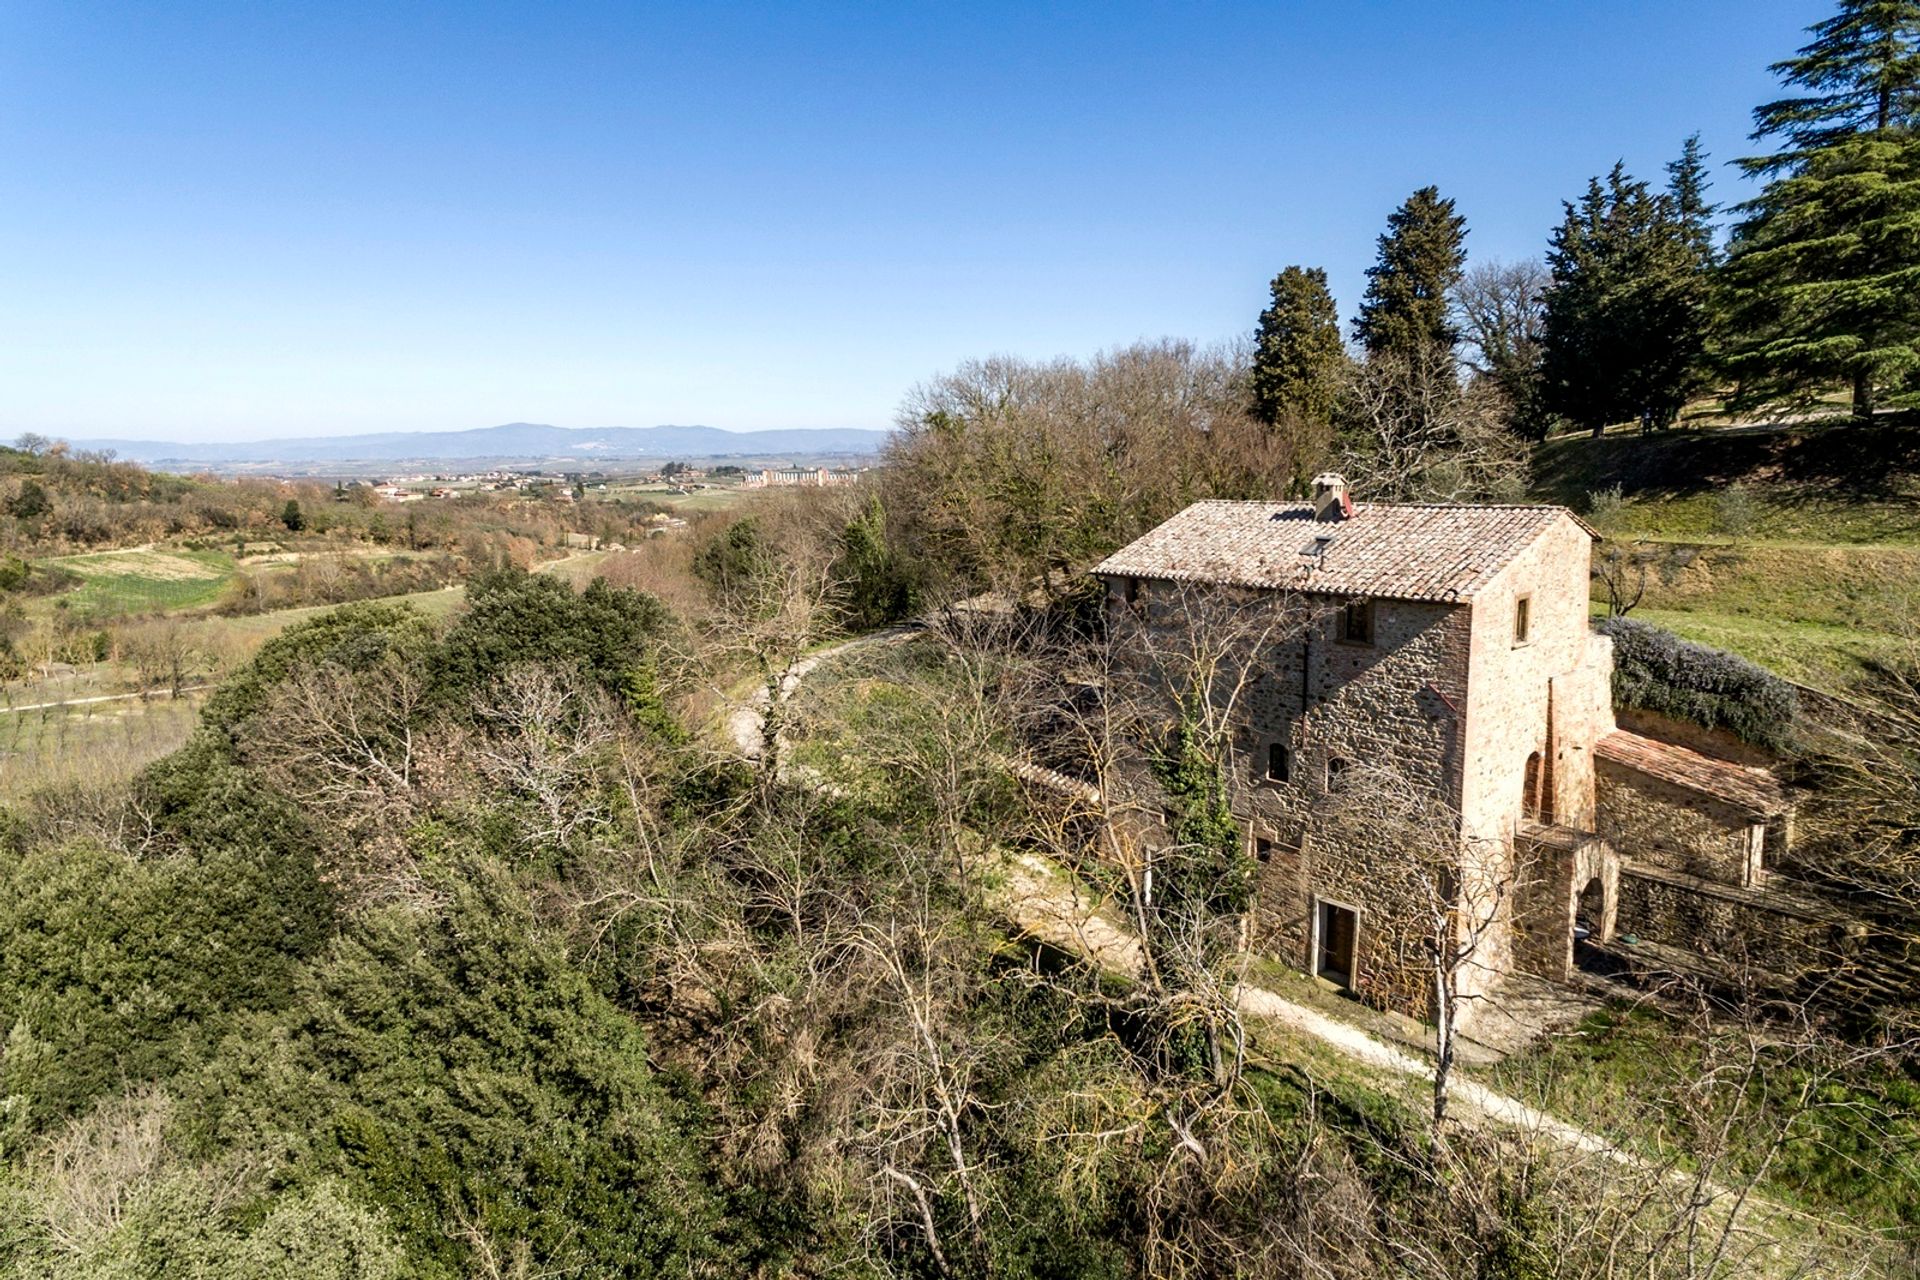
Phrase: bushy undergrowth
x=448 y=950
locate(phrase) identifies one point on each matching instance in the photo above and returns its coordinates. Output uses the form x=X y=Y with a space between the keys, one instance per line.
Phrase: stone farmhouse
x=1453 y=643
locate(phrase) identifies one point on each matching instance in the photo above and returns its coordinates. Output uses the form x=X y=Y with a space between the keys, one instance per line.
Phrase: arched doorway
x=1589 y=923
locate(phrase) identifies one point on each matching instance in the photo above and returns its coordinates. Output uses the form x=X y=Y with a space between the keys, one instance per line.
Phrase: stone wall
x=1326 y=700
x=1766 y=933
x=1547 y=696
x=1657 y=823
x=1717 y=743
x=1508 y=708
x=1555 y=867
x=1444 y=695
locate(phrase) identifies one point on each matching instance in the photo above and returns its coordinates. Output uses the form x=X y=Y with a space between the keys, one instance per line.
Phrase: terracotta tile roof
x=1755 y=790
x=1403 y=551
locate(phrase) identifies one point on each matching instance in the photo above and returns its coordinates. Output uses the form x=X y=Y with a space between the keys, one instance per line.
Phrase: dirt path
x=103 y=697
x=746 y=723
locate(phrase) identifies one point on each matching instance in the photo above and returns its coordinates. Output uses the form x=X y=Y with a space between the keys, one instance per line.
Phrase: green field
x=117 y=584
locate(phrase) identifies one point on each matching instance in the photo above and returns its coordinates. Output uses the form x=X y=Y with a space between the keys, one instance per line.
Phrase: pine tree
x=1298 y=356
x=1822 y=281
x=1422 y=257
x=292 y=517
x=1863 y=70
x=1626 y=317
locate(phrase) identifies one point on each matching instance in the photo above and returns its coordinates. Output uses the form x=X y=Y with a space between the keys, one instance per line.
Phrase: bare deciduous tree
x=543 y=733
x=1411 y=435
x=1501 y=310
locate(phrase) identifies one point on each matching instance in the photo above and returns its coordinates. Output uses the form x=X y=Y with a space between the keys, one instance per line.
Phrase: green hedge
x=1656 y=670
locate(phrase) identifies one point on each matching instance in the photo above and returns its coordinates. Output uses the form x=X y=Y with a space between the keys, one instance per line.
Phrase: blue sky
x=238 y=221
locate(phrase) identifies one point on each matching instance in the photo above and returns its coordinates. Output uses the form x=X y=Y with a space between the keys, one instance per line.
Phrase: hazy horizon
x=231 y=223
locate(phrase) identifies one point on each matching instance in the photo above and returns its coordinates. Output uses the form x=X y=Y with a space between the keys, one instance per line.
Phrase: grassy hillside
x=1821 y=484
x=1797 y=546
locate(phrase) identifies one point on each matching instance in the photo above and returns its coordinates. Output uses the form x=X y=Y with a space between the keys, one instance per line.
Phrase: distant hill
x=515 y=441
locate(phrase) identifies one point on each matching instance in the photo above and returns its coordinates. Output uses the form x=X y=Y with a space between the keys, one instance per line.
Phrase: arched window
x=1533 y=804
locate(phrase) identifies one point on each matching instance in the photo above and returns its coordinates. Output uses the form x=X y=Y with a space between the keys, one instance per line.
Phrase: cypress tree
x=1687 y=184
x=1422 y=257
x=1823 y=272
x=1298 y=355
x=1626 y=316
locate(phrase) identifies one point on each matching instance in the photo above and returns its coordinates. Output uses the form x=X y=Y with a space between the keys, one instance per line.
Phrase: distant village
x=673 y=478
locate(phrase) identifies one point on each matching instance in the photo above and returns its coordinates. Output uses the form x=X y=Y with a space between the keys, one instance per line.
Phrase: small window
x=1262 y=849
x=1279 y=762
x=1336 y=772
x=1356 y=622
x=1522 y=619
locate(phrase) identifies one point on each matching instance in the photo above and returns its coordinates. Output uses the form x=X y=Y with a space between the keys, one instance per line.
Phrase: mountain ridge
x=512 y=440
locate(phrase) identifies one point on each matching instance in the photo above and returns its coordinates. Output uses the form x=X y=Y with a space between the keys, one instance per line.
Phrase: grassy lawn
x=1852 y=1150
x=1824 y=484
x=1822 y=655
x=1804 y=540
x=1817 y=613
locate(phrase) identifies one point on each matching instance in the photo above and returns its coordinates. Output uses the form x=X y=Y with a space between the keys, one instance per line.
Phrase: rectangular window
x=1279 y=762
x=1336 y=772
x=1522 y=619
x=1336 y=942
x=1356 y=622
x=1130 y=590
x=1262 y=849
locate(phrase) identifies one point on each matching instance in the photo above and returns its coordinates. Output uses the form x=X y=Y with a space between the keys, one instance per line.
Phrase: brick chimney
x=1330 y=497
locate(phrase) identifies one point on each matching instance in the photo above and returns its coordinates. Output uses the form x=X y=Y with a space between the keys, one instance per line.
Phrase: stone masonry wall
x=1730 y=927
x=1325 y=700
x=1549 y=694
x=1329 y=700
x=1655 y=822
x=1407 y=700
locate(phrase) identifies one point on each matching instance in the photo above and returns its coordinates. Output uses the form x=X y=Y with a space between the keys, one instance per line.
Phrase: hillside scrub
x=450 y=944
x=1005 y=471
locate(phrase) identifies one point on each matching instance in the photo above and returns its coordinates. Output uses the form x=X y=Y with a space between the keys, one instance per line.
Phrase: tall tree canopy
x=1298 y=358
x=1862 y=73
x=1422 y=256
x=1502 y=310
x=1822 y=269
x=1627 y=314
x=1687 y=183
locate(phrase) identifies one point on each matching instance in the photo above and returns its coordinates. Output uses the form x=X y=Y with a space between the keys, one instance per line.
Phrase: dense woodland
x=483 y=943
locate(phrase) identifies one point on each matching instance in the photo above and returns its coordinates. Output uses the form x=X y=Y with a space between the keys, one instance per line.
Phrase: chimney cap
x=1329 y=480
